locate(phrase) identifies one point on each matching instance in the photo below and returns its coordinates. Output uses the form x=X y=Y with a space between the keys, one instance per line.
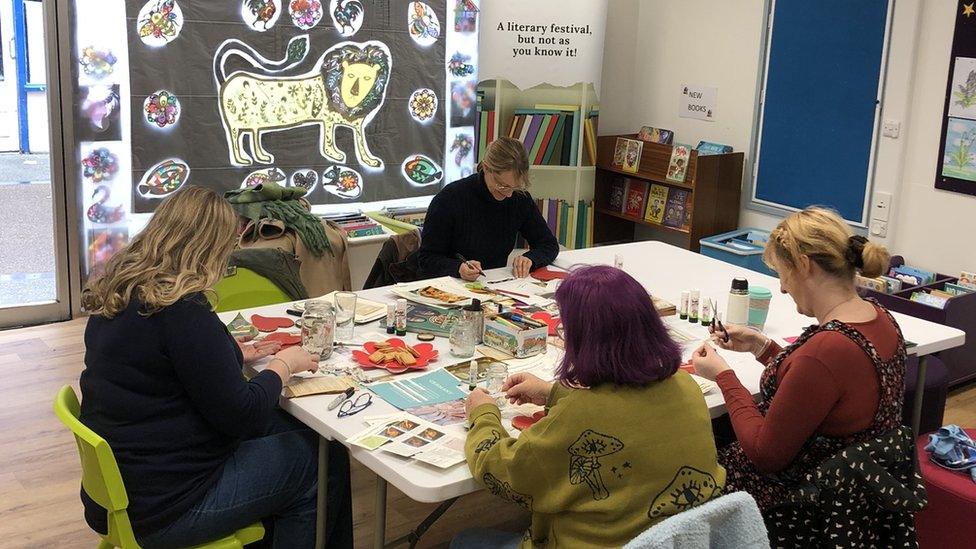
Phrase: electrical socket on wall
x=879 y=229
x=891 y=128
x=881 y=207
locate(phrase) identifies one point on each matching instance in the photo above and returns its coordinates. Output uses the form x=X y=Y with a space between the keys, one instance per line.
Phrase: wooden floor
x=39 y=470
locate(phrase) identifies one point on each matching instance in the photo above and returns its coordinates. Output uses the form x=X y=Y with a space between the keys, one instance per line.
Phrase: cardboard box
x=520 y=343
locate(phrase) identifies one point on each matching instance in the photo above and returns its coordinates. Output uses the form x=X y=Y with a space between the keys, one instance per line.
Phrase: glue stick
x=390 y=318
x=693 y=306
x=683 y=311
x=706 y=312
x=473 y=375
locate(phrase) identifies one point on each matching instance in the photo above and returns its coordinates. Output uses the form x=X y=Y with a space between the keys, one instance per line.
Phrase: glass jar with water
x=318 y=328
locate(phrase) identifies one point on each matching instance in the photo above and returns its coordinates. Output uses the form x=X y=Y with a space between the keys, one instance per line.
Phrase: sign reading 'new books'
x=697 y=102
x=543 y=42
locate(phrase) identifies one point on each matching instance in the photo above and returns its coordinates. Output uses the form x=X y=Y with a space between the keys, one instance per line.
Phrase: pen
x=342 y=397
x=470 y=266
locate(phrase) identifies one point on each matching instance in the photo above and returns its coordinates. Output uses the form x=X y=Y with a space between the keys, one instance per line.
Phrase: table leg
x=323 y=491
x=379 y=515
x=923 y=363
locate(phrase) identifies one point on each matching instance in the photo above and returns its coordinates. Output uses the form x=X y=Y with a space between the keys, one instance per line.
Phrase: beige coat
x=320 y=275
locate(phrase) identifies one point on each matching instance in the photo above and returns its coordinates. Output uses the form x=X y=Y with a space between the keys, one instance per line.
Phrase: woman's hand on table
x=257 y=349
x=742 y=339
x=522 y=388
x=521 y=266
x=290 y=361
x=469 y=270
x=708 y=363
x=476 y=398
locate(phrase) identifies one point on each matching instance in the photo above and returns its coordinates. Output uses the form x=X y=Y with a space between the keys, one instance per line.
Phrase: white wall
x=717 y=43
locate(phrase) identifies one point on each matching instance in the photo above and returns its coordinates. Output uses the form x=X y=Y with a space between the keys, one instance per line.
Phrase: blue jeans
x=486 y=538
x=272 y=476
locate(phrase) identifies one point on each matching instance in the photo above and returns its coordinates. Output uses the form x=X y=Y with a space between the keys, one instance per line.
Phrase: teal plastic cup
x=759 y=299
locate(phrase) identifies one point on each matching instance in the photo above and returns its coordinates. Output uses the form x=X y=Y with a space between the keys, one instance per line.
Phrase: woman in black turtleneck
x=479 y=217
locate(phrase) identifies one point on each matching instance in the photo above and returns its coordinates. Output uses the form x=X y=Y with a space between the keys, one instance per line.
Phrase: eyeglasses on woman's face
x=504 y=182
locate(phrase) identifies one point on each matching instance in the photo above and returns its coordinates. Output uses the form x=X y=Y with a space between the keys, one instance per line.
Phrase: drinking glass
x=345 y=315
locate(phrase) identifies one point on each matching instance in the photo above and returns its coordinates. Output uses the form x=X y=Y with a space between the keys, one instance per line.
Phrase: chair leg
x=106 y=545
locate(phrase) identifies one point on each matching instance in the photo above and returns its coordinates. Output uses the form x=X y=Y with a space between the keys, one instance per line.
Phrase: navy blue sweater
x=465 y=218
x=166 y=392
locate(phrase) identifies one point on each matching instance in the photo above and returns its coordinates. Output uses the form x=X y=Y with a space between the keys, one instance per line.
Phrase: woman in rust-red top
x=841 y=383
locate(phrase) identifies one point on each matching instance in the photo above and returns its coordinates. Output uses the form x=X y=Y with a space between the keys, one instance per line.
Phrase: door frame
x=64 y=201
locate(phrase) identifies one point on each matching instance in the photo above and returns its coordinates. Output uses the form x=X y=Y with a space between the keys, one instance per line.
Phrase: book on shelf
x=655 y=135
x=589 y=135
x=657 y=199
x=967 y=279
x=678 y=166
x=911 y=276
x=632 y=158
x=674 y=210
x=617 y=189
x=635 y=199
x=924 y=298
x=706 y=148
x=620 y=151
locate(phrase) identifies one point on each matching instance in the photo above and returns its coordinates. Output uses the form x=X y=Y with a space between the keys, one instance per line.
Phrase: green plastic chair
x=245 y=289
x=102 y=482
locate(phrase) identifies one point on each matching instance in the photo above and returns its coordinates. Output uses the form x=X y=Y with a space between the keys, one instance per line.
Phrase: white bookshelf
x=571 y=183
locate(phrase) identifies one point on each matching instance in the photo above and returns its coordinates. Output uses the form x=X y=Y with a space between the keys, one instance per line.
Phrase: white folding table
x=663 y=269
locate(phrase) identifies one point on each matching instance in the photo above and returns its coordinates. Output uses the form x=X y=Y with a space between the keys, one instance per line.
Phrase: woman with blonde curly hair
x=202 y=451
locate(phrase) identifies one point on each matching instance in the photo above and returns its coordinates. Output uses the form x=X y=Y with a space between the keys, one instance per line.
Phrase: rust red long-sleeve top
x=829 y=386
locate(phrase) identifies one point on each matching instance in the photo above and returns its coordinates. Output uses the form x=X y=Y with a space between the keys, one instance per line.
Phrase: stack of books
x=653 y=203
x=408 y=214
x=550 y=133
x=355 y=224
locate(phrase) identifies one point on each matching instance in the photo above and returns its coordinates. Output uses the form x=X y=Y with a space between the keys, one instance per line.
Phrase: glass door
x=34 y=263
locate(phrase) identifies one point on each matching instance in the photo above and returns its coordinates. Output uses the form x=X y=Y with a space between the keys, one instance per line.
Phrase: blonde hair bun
x=875 y=259
x=822 y=236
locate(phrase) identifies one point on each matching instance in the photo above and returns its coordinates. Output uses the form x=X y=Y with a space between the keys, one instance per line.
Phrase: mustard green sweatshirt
x=604 y=464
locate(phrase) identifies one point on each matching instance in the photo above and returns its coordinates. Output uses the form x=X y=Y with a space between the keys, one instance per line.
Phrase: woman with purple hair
x=626 y=440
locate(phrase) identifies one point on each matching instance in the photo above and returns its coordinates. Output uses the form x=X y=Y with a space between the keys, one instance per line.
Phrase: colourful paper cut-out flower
x=97 y=64
x=423 y=104
x=162 y=109
x=100 y=165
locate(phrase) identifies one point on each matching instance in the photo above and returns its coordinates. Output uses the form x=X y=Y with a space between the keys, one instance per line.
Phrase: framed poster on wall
x=956 y=169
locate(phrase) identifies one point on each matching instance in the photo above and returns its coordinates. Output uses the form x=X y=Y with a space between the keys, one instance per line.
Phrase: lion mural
x=346 y=88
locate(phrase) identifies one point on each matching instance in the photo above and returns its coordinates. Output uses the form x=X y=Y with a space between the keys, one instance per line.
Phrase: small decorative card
x=633 y=157
x=678 y=167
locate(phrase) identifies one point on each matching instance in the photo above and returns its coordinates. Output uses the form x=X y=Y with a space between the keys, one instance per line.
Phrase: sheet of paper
x=433 y=388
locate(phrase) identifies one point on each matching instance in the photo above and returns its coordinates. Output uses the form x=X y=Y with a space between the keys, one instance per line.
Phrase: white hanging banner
x=557 y=42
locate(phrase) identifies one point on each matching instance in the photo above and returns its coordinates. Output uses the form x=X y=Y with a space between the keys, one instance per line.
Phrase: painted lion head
x=356 y=76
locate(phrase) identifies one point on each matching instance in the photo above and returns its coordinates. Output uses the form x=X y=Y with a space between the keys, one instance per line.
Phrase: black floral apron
x=772 y=490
